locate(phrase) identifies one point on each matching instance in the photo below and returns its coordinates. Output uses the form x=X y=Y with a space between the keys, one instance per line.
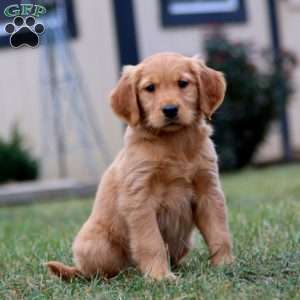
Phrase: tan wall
x=153 y=37
x=289 y=14
x=20 y=85
x=189 y=40
x=96 y=51
x=290 y=17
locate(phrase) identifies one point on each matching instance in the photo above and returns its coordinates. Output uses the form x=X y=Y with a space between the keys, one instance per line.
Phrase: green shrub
x=251 y=100
x=16 y=163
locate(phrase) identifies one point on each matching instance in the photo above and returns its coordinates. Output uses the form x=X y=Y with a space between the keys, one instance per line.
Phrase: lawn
x=264 y=207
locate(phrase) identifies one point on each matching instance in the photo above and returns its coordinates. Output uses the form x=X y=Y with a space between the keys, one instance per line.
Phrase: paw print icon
x=24 y=32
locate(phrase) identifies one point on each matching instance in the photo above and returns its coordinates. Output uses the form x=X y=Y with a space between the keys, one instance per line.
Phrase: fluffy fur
x=164 y=182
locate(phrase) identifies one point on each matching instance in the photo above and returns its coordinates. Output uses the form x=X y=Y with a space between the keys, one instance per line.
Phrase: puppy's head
x=167 y=91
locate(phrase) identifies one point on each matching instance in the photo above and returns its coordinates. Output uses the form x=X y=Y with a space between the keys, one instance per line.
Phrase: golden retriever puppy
x=165 y=180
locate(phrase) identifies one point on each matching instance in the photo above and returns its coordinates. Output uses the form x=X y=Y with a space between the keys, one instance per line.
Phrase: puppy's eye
x=150 y=88
x=183 y=83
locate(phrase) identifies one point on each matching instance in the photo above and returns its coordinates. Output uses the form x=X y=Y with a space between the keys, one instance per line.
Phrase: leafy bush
x=16 y=163
x=251 y=100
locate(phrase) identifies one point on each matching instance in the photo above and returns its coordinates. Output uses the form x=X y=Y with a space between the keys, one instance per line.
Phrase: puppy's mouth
x=172 y=125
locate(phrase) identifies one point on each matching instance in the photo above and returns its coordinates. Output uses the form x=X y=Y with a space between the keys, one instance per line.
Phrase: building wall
x=189 y=39
x=152 y=37
x=96 y=51
x=20 y=86
x=290 y=16
x=289 y=13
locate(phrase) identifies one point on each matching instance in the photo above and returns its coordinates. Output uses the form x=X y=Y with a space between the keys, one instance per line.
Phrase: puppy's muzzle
x=170 y=111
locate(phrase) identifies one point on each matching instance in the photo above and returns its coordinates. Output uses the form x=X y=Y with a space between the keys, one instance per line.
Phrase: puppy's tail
x=62 y=271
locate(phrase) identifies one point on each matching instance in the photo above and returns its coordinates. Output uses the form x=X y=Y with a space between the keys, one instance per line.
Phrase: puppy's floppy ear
x=123 y=98
x=211 y=86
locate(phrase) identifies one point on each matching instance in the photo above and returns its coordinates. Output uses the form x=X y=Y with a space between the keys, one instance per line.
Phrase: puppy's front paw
x=223 y=256
x=161 y=275
x=171 y=276
x=222 y=260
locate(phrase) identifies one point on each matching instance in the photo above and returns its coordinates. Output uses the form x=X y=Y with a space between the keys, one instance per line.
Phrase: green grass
x=264 y=208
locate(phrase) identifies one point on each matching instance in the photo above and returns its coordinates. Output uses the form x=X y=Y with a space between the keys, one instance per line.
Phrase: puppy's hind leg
x=98 y=252
x=95 y=253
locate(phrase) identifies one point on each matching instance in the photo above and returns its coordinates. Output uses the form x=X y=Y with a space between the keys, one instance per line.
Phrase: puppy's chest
x=172 y=168
x=175 y=210
x=172 y=184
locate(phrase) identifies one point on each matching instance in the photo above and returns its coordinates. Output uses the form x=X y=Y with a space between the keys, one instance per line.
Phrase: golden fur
x=164 y=182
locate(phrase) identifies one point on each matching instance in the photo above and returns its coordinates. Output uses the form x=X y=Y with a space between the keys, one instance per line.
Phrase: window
x=188 y=12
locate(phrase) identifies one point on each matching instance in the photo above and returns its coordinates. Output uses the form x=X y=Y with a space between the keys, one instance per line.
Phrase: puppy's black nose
x=170 y=111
